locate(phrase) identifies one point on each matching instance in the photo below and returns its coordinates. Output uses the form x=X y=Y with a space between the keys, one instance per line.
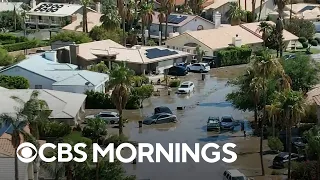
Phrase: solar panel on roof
x=157 y=53
x=176 y=19
x=307 y=8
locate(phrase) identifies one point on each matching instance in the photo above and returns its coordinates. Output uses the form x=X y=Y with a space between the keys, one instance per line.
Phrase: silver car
x=108 y=116
x=160 y=118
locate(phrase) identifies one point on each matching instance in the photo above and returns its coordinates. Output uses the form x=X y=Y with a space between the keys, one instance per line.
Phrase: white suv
x=186 y=87
x=108 y=116
x=199 y=67
x=233 y=174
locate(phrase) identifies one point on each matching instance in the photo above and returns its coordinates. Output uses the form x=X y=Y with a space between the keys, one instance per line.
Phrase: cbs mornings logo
x=176 y=153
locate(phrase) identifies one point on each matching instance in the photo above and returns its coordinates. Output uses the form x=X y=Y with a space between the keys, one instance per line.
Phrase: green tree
x=10 y=20
x=313 y=146
x=122 y=12
x=235 y=13
x=301 y=28
x=196 y=6
x=265 y=67
x=200 y=54
x=99 y=33
x=162 y=16
x=14 y=82
x=266 y=29
x=85 y=4
x=66 y=36
x=144 y=92
x=292 y=105
x=146 y=13
x=302 y=71
x=168 y=10
x=110 y=18
x=101 y=67
x=120 y=82
x=96 y=130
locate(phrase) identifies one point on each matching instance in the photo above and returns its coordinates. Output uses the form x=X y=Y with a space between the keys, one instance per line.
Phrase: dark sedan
x=178 y=71
x=160 y=118
x=281 y=160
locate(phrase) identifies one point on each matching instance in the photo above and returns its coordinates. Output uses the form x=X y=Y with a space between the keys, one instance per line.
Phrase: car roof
x=108 y=112
x=283 y=154
x=186 y=83
x=227 y=116
x=214 y=117
x=235 y=172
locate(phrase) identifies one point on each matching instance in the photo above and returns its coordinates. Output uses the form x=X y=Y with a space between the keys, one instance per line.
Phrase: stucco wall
x=34 y=79
x=180 y=41
x=193 y=25
x=7 y=169
x=74 y=89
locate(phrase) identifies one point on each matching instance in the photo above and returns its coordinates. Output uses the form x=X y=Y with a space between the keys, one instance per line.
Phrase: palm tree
x=279 y=30
x=169 y=8
x=266 y=29
x=255 y=87
x=146 y=13
x=130 y=12
x=265 y=66
x=85 y=4
x=292 y=104
x=110 y=18
x=313 y=146
x=272 y=110
x=161 y=15
x=196 y=6
x=121 y=4
x=235 y=13
x=200 y=54
x=120 y=82
x=281 y=5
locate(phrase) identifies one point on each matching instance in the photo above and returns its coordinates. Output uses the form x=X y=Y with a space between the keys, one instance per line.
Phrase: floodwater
x=207 y=100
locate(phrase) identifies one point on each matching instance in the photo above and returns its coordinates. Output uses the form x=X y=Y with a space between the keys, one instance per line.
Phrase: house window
x=38 y=86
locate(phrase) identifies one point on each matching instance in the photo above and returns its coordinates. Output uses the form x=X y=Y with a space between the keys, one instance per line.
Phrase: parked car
x=210 y=60
x=186 y=87
x=198 y=67
x=227 y=123
x=298 y=144
x=108 y=116
x=281 y=160
x=178 y=71
x=234 y=174
x=160 y=118
x=213 y=123
x=162 y=109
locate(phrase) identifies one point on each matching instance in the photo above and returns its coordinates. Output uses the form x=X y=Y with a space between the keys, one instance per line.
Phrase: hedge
x=14 y=82
x=174 y=83
x=98 y=100
x=6 y=38
x=53 y=129
x=233 y=56
x=20 y=46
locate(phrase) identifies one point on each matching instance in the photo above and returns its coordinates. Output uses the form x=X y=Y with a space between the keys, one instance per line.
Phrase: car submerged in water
x=160 y=118
x=213 y=124
x=227 y=123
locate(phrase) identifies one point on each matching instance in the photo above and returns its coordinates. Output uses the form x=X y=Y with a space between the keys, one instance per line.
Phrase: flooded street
x=207 y=100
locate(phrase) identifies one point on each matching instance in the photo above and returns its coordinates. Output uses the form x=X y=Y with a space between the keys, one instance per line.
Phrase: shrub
x=53 y=129
x=233 y=56
x=301 y=28
x=98 y=100
x=76 y=137
x=314 y=42
x=99 y=33
x=65 y=36
x=304 y=170
x=116 y=139
x=95 y=129
x=20 y=45
x=174 y=83
x=275 y=144
x=77 y=128
x=302 y=39
x=14 y=82
x=305 y=44
x=317 y=39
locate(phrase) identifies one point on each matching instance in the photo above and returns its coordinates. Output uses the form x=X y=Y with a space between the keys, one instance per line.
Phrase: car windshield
x=226 y=120
x=239 y=178
x=184 y=86
x=155 y=116
x=278 y=158
x=213 y=121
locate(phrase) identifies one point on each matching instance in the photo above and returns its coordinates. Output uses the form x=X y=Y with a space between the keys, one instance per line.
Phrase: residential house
x=7 y=154
x=64 y=106
x=223 y=6
x=47 y=14
x=313 y=97
x=142 y=59
x=214 y=39
x=43 y=72
x=301 y=10
x=10 y=6
x=179 y=23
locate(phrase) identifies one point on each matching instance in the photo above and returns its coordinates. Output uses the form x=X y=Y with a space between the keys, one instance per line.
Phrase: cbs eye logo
x=27 y=152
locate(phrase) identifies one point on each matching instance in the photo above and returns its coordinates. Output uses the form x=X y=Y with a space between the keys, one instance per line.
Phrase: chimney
x=73 y=18
x=98 y=7
x=236 y=41
x=217 y=20
x=74 y=51
x=33 y=4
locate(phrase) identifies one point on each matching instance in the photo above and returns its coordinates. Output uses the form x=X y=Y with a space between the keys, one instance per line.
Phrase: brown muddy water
x=207 y=100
